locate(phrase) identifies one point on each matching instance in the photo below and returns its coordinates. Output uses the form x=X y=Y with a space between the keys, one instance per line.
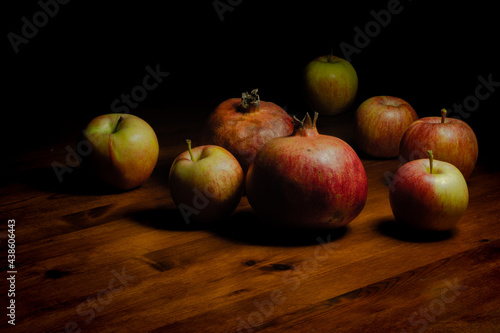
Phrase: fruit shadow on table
x=243 y=226
x=164 y=219
x=391 y=228
x=80 y=181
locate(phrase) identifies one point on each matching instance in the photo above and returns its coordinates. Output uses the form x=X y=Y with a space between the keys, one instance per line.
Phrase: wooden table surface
x=90 y=260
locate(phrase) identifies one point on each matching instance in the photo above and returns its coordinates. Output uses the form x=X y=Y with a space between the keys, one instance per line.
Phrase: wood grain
x=91 y=259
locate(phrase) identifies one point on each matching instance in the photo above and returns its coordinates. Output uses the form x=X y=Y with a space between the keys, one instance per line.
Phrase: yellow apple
x=124 y=149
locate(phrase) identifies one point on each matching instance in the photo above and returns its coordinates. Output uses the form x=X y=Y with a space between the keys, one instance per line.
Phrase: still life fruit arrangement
x=294 y=176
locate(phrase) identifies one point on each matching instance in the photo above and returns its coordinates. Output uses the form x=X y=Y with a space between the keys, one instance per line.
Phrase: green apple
x=124 y=149
x=429 y=194
x=206 y=183
x=331 y=84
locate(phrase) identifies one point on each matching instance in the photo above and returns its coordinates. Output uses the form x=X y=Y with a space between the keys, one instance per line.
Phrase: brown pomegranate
x=243 y=125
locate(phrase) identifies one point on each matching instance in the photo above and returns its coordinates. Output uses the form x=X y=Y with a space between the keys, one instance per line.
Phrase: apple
x=428 y=194
x=452 y=140
x=124 y=149
x=331 y=84
x=206 y=183
x=379 y=124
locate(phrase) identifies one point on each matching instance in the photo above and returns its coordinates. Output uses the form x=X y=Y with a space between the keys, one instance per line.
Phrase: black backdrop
x=89 y=53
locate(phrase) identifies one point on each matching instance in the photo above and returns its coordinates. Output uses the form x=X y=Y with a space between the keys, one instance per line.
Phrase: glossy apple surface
x=206 y=183
x=124 y=149
x=428 y=200
x=451 y=140
x=330 y=84
x=380 y=123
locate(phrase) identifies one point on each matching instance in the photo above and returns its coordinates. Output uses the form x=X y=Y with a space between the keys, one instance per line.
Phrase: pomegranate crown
x=307 y=125
x=251 y=99
x=307 y=122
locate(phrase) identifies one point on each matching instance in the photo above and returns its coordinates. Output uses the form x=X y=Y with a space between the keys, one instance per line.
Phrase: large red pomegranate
x=243 y=125
x=307 y=180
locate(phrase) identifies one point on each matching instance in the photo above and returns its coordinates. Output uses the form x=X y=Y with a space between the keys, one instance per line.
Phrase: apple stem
x=443 y=115
x=431 y=160
x=190 y=150
x=250 y=101
x=118 y=124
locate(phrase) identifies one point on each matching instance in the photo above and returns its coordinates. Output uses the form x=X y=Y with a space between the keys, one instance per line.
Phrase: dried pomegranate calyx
x=307 y=122
x=307 y=126
x=249 y=100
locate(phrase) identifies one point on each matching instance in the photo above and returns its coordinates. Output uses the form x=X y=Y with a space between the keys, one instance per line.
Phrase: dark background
x=90 y=53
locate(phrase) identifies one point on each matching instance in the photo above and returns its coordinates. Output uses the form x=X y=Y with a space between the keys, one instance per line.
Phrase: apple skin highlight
x=206 y=183
x=429 y=201
x=330 y=84
x=380 y=123
x=124 y=152
x=451 y=140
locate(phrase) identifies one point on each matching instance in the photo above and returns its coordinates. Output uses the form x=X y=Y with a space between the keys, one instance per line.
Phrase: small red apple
x=206 y=183
x=307 y=180
x=331 y=84
x=429 y=194
x=380 y=122
x=452 y=140
x=124 y=149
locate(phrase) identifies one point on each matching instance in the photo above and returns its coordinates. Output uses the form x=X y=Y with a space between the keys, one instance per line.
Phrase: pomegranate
x=307 y=180
x=243 y=125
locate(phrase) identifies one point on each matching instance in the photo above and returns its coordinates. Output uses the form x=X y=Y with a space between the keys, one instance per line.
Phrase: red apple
x=124 y=149
x=206 y=183
x=307 y=180
x=243 y=125
x=380 y=122
x=451 y=140
x=429 y=194
x=331 y=84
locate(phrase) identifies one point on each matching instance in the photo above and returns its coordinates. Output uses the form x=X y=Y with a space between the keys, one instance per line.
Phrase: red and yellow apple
x=380 y=123
x=452 y=140
x=124 y=149
x=330 y=84
x=206 y=183
x=428 y=194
